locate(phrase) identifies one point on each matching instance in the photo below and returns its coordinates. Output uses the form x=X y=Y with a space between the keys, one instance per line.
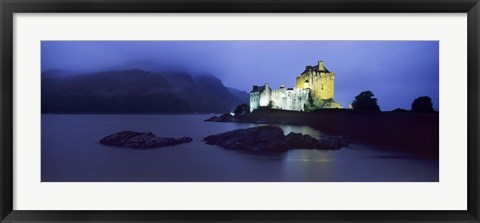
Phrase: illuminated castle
x=314 y=89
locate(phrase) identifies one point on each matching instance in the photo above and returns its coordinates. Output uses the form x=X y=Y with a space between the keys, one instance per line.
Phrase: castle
x=313 y=89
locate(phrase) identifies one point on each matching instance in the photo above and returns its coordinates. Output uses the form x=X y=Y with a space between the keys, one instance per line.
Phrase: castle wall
x=254 y=101
x=285 y=99
x=300 y=81
x=294 y=99
x=323 y=85
x=320 y=83
x=265 y=97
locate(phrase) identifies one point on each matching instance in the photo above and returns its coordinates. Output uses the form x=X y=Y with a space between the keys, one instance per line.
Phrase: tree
x=242 y=109
x=365 y=101
x=422 y=105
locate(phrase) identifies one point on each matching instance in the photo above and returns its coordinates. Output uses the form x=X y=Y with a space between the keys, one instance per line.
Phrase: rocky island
x=266 y=139
x=141 y=140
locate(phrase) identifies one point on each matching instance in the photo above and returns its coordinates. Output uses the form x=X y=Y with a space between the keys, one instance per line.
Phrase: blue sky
x=397 y=72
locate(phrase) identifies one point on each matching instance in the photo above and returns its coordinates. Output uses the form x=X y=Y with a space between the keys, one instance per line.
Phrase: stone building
x=314 y=89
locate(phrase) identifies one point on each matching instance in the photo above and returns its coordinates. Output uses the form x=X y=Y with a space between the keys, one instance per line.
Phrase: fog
x=397 y=72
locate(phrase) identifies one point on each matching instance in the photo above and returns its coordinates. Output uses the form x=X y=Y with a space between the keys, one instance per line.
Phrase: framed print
x=263 y=111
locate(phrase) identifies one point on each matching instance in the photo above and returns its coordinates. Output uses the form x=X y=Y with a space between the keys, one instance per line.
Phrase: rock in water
x=302 y=141
x=223 y=118
x=271 y=139
x=307 y=142
x=257 y=139
x=141 y=140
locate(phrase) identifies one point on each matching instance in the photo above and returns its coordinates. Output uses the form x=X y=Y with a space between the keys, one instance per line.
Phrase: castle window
x=322 y=87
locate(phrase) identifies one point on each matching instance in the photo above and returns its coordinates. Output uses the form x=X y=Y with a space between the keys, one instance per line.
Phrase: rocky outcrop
x=246 y=118
x=257 y=139
x=308 y=142
x=223 y=118
x=268 y=138
x=141 y=140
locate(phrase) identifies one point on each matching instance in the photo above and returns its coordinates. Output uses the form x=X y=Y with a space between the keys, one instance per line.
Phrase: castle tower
x=321 y=66
x=306 y=84
x=321 y=83
x=319 y=79
x=324 y=85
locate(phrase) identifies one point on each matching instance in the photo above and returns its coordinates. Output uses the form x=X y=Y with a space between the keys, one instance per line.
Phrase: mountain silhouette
x=137 y=91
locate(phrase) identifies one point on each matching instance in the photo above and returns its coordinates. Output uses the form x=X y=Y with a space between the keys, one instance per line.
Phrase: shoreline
x=417 y=133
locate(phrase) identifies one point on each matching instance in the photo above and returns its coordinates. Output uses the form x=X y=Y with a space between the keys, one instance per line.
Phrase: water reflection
x=70 y=152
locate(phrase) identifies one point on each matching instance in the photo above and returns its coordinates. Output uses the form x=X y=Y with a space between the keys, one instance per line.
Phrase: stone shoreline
x=412 y=132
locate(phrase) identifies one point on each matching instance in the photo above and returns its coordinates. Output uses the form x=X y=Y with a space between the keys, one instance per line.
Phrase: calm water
x=71 y=152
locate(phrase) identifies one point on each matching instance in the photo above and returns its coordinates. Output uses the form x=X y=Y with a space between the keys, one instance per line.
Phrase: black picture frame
x=9 y=7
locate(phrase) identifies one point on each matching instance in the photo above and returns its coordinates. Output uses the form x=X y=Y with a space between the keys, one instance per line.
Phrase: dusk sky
x=397 y=72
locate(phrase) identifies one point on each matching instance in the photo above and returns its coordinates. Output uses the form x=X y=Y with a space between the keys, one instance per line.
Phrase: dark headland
x=407 y=131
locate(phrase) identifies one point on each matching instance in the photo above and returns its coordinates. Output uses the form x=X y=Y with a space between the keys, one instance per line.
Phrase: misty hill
x=242 y=95
x=137 y=91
